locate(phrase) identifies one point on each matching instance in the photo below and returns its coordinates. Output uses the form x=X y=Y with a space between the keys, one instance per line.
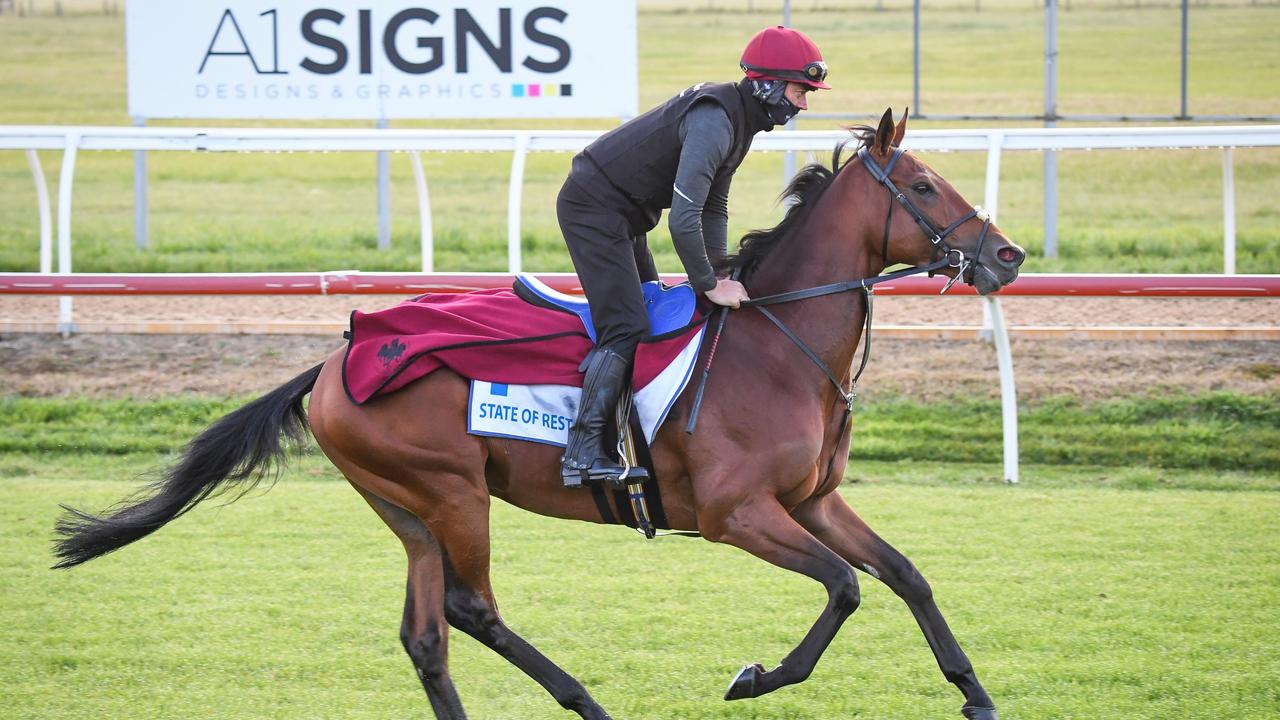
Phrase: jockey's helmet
x=783 y=53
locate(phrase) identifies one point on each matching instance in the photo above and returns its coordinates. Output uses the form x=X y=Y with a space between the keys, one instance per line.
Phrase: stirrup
x=616 y=477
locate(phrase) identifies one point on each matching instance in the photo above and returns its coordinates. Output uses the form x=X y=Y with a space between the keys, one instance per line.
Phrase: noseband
x=953 y=257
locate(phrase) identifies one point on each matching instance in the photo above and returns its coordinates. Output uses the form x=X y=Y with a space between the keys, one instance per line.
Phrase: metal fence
x=994 y=142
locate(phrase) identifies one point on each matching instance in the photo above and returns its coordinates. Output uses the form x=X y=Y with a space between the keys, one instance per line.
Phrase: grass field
x=1071 y=603
x=1119 y=211
x=1132 y=574
x=1138 y=584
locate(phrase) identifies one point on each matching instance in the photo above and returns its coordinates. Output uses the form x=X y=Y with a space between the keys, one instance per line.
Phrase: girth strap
x=651 y=490
x=651 y=515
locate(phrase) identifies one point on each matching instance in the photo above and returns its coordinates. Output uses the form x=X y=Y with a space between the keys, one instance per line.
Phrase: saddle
x=637 y=492
x=668 y=308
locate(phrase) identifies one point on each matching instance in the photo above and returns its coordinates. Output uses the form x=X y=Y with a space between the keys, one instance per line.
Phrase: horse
x=762 y=482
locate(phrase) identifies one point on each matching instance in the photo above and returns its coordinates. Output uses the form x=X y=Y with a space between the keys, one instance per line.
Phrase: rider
x=680 y=155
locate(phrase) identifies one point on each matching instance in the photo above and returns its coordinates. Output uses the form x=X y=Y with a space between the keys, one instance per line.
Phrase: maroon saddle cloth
x=489 y=335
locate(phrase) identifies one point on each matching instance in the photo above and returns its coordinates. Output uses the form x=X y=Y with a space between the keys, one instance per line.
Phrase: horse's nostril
x=1010 y=255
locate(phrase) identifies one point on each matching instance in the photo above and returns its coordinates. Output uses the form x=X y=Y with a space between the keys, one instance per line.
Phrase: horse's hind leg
x=470 y=607
x=424 y=631
x=833 y=522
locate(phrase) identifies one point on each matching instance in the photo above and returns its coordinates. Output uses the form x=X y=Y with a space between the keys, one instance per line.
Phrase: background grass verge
x=1216 y=432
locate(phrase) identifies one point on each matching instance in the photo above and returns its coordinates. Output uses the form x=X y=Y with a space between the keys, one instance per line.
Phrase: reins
x=951 y=257
x=863 y=284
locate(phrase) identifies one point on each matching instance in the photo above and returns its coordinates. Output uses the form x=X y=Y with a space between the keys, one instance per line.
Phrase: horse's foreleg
x=763 y=528
x=833 y=522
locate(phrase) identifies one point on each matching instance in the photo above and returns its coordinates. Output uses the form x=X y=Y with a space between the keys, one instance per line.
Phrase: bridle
x=950 y=258
x=953 y=257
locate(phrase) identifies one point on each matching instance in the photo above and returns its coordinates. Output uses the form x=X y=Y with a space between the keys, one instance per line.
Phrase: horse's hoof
x=744 y=685
x=973 y=712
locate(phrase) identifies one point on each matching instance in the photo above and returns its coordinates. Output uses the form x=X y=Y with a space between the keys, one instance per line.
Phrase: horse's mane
x=804 y=190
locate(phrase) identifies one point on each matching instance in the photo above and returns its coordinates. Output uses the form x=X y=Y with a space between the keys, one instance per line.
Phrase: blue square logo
x=499 y=389
x=517 y=90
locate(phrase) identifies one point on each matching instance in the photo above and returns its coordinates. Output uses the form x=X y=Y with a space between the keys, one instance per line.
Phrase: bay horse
x=763 y=482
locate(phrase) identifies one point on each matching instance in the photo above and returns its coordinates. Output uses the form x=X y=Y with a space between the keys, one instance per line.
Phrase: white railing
x=70 y=140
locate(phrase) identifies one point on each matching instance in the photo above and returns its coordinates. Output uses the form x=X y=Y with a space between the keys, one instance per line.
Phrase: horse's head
x=933 y=222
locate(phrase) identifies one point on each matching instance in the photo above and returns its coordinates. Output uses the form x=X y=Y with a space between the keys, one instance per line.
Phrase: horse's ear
x=901 y=130
x=883 y=143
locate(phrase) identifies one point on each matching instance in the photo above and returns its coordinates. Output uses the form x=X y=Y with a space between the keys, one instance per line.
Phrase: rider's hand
x=728 y=293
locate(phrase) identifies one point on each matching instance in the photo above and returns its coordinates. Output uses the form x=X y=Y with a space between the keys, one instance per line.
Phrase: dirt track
x=156 y=365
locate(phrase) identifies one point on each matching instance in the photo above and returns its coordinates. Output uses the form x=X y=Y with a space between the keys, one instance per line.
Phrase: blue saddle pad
x=668 y=308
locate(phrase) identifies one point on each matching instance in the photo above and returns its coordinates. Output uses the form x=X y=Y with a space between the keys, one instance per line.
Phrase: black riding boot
x=585 y=461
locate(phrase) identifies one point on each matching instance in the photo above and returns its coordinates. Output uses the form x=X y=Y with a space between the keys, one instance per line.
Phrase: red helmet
x=782 y=53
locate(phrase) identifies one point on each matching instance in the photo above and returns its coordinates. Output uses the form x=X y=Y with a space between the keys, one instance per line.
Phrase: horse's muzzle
x=996 y=268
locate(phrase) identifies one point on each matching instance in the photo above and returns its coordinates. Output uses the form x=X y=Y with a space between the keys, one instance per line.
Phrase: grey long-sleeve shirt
x=699 y=217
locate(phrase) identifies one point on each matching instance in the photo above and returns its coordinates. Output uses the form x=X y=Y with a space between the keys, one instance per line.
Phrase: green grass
x=1214 y=432
x=1224 y=432
x=105 y=427
x=1069 y=602
x=1119 y=211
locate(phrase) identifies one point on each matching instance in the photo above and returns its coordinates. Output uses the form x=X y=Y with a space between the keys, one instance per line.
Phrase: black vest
x=639 y=158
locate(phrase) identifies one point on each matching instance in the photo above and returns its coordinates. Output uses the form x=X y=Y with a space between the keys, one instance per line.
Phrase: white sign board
x=381 y=59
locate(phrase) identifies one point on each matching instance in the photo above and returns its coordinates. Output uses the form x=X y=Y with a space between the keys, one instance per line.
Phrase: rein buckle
x=963 y=267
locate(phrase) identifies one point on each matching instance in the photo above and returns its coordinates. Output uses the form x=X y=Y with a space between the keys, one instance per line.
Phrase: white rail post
x=65 y=178
x=514 y=193
x=384 y=192
x=990 y=201
x=140 y=212
x=424 y=213
x=993 y=318
x=42 y=202
x=991 y=190
x=1228 y=213
x=1008 y=393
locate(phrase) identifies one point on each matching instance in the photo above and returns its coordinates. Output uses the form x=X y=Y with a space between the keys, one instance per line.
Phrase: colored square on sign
x=566 y=90
x=517 y=90
x=550 y=90
x=499 y=389
x=534 y=90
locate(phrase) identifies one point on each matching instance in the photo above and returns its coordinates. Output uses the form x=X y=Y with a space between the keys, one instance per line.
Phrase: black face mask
x=772 y=94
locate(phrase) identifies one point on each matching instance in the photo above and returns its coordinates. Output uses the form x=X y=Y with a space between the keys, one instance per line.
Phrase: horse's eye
x=922 y=188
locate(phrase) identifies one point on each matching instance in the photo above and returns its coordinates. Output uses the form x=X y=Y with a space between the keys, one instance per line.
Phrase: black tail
x=240 y=448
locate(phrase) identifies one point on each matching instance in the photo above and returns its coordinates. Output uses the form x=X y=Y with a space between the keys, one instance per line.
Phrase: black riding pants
x=611 y=261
